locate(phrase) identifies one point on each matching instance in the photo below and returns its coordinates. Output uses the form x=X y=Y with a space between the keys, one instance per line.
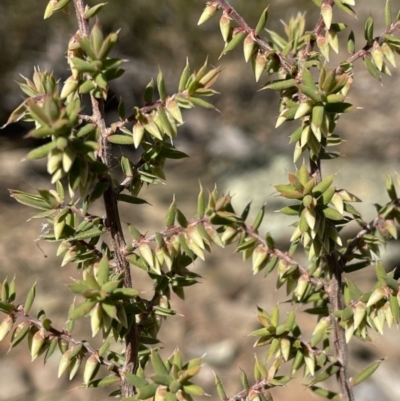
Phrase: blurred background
x=238 y=149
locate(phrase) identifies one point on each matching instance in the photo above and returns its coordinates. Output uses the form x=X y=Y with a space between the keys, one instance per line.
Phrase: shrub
x=80 y=162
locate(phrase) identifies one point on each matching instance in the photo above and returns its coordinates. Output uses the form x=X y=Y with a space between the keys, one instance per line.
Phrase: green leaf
x=259 y=218
x=171 y=214
x=323 y=186
x=330 y=395
x=201 y=103
x=165 y=123
x=369 y=30
x=105 y=381
x=103 y=271
x=124 y=293
x=310 y=92
x=147 y=391
x=181 y=219
x=34 y=201
x=93 y=232
x=184 y=77
x=220 y=388
x=6 y=307
x=82 y=310
x=19 y=334
x=233 y=43
x=92 y=11
x=105 y=346
x=193 y=389
x=162 y=379
x=157 y=363
x=390 y=188
x=110 y=309
x=30 y=298
x=280 y=84
x=83 y=66
x=119 y=139
x=50 y=350
x=161 y=85
x=372 y=69
x=288 y=191
x=388 y=13
x=135 y=380
x=138 y=261
x=339 y=107
x=262 y=21
x=332 y=214
x=149 y=92
x=345 y=7
x=351 y=43
x=308 y=79
x=325 y=374
x=366 y=373
x=132 y=199
x=60 y=5
x=41 y=151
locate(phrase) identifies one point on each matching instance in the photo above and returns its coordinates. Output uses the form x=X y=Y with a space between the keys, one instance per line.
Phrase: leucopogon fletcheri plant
x=82 y=169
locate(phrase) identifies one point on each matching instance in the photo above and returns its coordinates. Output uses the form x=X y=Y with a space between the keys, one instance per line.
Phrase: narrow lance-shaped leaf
x=248 y=47
x=233 y=43
x=157 y=363
x=330 y=395
x=388 y=13
x=201 y=203
x=161 y=86
x=103 y=271
x=220 y=388
x=165 y=123
x=64 y=363
x=5 y=327
x=149 y=92
x=345 y=7
x=259 y=218
x=92 y=11
x=91 y=367
x=82 y=310
x=171 y=214
x=390 y=188
x=351 y=46
x=41 y=151
x=184 y=77
x=207 y=13
x=369 y=29
x=366 y=373
x=280 y=84
x=326 y=12
x=30 y=298
x=262 y=21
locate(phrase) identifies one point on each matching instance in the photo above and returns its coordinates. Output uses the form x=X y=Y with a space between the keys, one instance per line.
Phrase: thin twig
x=317 y=30
x=19 y=313
x=242 y=227
x=357 y=239
x=365 y=50
x=245 y=28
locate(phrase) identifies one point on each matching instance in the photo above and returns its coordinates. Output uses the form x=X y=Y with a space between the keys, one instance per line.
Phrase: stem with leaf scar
x=321 y=34
x=113 y=221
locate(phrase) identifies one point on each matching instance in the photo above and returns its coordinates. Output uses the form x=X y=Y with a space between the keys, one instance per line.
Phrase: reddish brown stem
x=245 y=28
x=113 y=222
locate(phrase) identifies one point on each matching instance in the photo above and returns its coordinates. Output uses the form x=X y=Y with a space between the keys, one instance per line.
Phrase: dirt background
x=238 y=149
